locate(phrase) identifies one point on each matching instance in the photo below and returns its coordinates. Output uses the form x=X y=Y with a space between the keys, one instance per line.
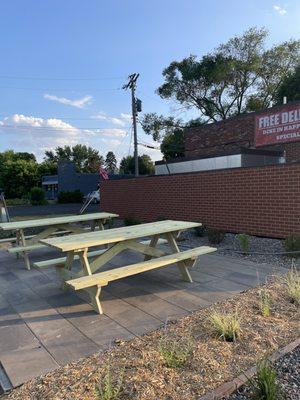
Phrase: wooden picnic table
x=120 y=239
x=52 y=226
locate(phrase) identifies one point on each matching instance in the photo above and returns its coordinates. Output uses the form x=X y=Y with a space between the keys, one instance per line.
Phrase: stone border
x=228 y=388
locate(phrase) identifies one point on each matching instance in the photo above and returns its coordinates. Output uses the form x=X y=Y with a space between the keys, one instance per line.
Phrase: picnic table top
x=49 y=221
x=91 y=239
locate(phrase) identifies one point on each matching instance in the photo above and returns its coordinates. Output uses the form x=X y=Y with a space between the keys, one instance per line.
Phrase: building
x=271 y=136
x=68 y=180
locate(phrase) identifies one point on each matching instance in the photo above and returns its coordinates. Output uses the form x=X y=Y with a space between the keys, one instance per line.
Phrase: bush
x=70 y=197
x=175 y=351
x=215 y=236
x=110 y=386
x=227 y=326
x=265 y=303
x=292 y=281
x=132 y=220
x=292 y=243
x=17 y=202
x=37 y=196
x=265 y=386
x=200 y=230
x=244 y=242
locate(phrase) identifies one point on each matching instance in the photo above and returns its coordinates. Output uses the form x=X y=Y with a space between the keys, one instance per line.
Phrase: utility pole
x=132 y=85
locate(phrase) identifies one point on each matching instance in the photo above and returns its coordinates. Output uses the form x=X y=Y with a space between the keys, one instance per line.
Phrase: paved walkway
x=42 y=327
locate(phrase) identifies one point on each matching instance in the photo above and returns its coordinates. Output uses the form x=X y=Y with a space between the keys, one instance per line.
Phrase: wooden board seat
x=101 y=279
x=21 y=249
x=55 y=262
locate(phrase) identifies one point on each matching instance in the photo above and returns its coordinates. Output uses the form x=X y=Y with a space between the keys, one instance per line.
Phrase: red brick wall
x=260 y=201
x=230 y=134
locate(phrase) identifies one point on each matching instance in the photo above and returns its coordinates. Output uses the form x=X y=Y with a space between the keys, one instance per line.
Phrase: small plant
x=292 y=281
x=132 y=220
x=109 y=387
x=291 y=245
x=227 y=326
x=175 y=352
x=200 y=230
x=161 y=218
x=244 y=242
x=265 y=303
x=215 y=236
x=37 y=196
x=265 y=386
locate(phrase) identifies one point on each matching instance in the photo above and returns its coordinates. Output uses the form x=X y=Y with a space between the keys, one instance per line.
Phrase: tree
x=233 y=78
x=110 y=162
x=85 y=158
x=290 y=87
x=17 y=177
x=146 y=166
x=172 y=145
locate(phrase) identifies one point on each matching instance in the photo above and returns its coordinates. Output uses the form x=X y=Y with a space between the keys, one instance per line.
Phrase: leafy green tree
x=172 y=145
x=290 y=87
x=85 y=158
x=226 y=81
x=17 y=177
x=110 y=162
x=146 y=166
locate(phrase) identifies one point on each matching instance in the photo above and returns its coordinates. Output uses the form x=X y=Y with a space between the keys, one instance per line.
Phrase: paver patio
x=42 y=327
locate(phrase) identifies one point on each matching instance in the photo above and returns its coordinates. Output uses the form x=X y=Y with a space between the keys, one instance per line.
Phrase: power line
x=59 y=90
x=35 y=78
x=58 y=128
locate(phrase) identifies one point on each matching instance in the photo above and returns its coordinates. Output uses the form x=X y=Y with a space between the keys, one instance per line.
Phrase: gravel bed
x=230 y=247
x=288 y=374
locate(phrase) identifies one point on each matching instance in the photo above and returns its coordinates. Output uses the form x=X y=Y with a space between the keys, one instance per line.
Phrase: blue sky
x=63 y=63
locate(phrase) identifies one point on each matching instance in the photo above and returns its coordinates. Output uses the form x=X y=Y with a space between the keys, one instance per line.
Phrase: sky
x=63 y=63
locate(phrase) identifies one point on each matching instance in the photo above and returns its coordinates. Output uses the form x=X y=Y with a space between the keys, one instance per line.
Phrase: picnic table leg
x=24 y=253
x=181 y=265
x=68 y=266
x=94 y=292
x=18 y=242
x=153 y=243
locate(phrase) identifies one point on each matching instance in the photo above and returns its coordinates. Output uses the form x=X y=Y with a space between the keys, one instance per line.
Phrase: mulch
x=212 y=361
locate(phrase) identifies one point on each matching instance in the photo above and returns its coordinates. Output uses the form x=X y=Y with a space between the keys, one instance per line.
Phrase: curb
x=228 y=388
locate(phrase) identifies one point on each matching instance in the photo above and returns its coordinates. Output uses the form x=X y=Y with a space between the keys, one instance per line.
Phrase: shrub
x=265 y=303
x=227 y=326
x=17 y=202
x=37 y=196
x=244 y=242
x=292 y=280
x=200 y=230
x=109 y=387
x=175 y=352
x=265 y=386
x=132 y=220
x=70 y=197
x=291 y=244
x=215 y=236
x=161 y=218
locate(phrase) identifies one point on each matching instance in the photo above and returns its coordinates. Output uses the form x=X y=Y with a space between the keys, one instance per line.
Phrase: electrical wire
x=55 y=129
x=60 y=79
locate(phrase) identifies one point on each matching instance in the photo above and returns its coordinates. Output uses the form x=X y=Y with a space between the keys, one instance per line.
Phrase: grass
x=292 y=281
x=244 y=242
x=265 y=303
x=265 y=386
x=175 y=352
x=227 y=326
x=109 y=387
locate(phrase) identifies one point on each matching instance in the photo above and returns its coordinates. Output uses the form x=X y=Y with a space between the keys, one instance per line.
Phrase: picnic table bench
x=52 y=226
x=120 y=239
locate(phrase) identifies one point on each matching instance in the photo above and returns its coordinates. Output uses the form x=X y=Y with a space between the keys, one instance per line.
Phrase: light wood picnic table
x=119 y=239
x=52 y=226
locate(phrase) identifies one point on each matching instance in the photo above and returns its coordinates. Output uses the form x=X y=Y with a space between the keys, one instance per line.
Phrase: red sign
x=279 y=125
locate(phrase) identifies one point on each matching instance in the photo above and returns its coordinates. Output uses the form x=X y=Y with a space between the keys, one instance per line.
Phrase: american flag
x=103 y=173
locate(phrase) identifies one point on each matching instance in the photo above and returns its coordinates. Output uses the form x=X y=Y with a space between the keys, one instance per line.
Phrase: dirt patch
x=211 y=362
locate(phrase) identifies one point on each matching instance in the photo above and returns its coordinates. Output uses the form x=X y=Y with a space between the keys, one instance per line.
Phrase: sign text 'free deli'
x=277 y=126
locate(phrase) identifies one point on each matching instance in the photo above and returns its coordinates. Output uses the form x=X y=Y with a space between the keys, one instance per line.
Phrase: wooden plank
x=144 y=249
x=21 y=249
x=6 y=226
x=102 y=278
x=54 y=262
x=181 y=265
x=93 y=239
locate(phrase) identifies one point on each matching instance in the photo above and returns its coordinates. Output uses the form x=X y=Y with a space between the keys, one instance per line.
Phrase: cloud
x=123 y=120
x=29 y=133
x=113 y=132
x=280 y=10
x=78 y=103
